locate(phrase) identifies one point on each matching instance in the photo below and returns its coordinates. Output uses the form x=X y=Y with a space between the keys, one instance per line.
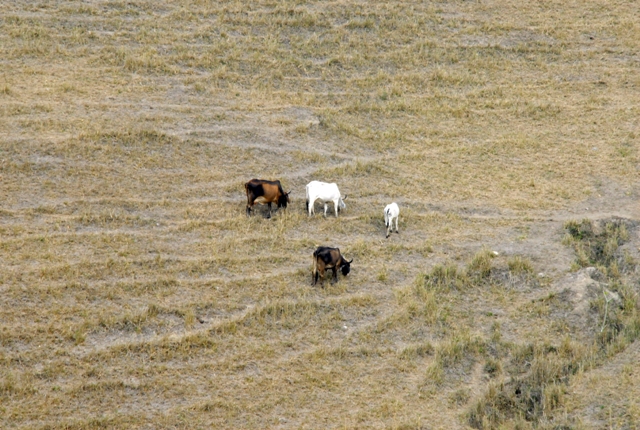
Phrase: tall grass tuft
x=596 y=245
x=481 y=264
x=444 y=278
x=519 y=265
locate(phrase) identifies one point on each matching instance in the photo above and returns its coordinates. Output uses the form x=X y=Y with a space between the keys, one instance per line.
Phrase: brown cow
x=329 y=258
x=265 y=192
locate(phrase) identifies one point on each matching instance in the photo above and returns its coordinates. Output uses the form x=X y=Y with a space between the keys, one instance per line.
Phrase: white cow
x=324 y=192
x=391 y=212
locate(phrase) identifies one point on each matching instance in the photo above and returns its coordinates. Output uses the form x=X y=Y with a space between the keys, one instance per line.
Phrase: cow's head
x=283 y=200
x=346 y=267
x=341 y=204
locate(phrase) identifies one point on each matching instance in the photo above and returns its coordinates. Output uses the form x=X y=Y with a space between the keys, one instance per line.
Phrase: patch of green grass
x=597 y=245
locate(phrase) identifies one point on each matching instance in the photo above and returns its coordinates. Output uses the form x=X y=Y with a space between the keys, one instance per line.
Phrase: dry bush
x=520 y=266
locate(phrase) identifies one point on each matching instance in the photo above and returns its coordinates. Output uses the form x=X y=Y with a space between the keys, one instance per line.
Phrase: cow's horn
x=345 y=197
x=351 y=261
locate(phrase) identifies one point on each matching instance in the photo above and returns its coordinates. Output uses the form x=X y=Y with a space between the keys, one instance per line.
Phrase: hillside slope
x=135 y=293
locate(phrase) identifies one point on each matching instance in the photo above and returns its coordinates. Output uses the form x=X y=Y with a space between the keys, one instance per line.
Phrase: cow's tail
x=314 y=272
x=315 y=263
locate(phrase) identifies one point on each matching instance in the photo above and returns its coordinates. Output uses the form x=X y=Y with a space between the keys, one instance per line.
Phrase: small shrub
x=446 y=278
x=553 y=397
x=492 y=367
x=189 y=318
x=362 y=24
x=593 y=247
x=480 y=266
x=415 y=351
x=579 y=230
x=520 y=266
x=383 y=274
x=460 y=397
x=435 y=372
x=153 y=311
x=496 y=406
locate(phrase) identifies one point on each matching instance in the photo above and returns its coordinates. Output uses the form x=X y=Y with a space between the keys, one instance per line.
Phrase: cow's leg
x=325 y=209
x=335 y=274
x=336 y=207
x=397 y=225
x=248 y=209
x=321 y=275
x=269 y=206
x=389 y=229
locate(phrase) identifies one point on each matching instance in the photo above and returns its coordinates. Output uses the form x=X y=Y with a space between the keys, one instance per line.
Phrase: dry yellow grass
x=135 y=293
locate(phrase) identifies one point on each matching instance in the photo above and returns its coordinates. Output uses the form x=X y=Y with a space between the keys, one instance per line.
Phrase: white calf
x=324 y=192
x=391 y=212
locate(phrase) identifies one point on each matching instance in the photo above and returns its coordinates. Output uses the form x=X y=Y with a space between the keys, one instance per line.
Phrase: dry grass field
x=135 y=292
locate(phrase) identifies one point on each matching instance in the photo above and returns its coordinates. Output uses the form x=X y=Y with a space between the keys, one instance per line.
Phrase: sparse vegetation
x=520 y=266
x=135 y=292
x=542 y=372
x=597 y=245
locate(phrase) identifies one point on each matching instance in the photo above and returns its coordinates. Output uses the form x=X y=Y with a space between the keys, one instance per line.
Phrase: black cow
x=265 y=192
x=329 y=258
